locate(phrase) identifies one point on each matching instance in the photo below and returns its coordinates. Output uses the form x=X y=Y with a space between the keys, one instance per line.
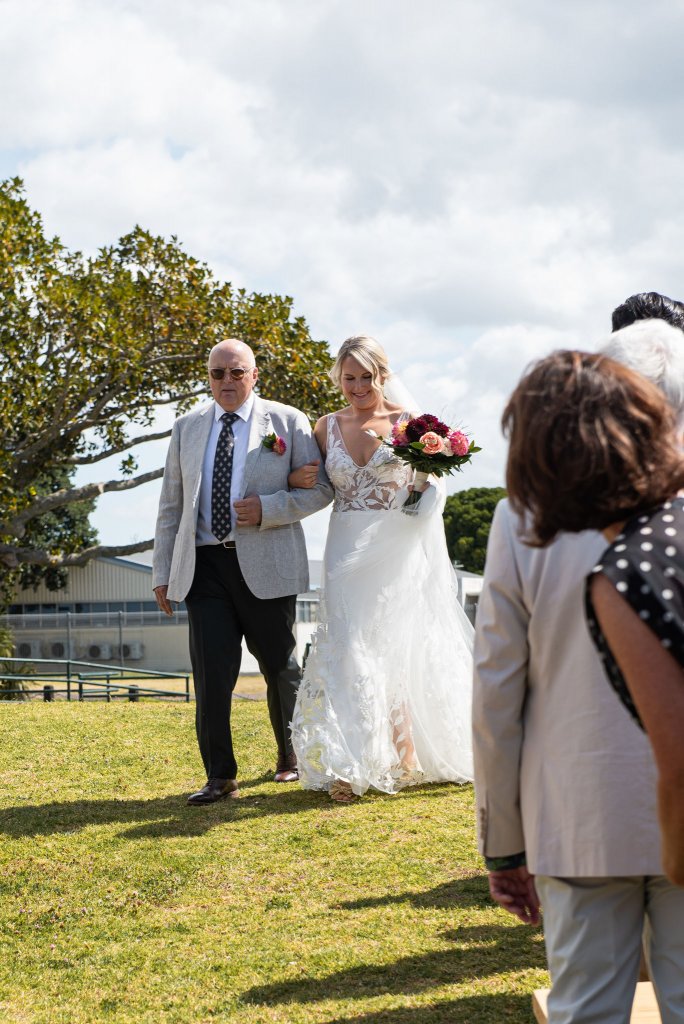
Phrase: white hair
x=655 y=349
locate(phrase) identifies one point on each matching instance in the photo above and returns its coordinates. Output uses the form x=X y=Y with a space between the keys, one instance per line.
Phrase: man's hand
x=515 y=891
x=162 y=600
x=248 y=510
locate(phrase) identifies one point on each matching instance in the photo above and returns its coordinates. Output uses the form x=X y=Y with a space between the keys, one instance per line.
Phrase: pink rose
x=280 y=446
x=432 y=443
x=459 y=442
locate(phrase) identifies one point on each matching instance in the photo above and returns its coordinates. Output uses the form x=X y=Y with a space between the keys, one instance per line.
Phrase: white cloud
x=474 y=183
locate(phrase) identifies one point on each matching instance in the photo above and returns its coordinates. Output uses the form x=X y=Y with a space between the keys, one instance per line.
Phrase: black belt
x=230 y=544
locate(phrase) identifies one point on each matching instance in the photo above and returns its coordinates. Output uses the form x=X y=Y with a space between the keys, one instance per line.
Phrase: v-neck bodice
x=380 y=484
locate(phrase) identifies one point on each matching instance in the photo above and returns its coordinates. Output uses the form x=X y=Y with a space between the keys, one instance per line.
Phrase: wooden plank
x=539 y=1005
x=644 y=1009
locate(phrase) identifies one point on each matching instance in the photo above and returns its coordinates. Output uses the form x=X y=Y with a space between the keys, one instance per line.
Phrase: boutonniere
x=275 y=444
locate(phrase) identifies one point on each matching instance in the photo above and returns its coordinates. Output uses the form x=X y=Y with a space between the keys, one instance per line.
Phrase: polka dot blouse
x=646 y=565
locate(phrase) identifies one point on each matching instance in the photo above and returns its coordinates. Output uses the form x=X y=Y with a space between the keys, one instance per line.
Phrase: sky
x=473 y=183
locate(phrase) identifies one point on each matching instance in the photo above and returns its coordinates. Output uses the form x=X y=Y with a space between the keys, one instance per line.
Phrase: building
x=108 y=614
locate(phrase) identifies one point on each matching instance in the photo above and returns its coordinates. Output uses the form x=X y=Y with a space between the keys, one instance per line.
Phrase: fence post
x=68 y=651
x=48 y=693
x=187 y=689
x=80 y=689
x=133 y=694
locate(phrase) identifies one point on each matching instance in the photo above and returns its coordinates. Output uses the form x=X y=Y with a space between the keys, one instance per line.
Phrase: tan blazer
x=561 y=770
x=272 y=556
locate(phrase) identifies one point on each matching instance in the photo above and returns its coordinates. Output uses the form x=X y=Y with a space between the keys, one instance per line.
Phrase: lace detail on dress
x=379 y=485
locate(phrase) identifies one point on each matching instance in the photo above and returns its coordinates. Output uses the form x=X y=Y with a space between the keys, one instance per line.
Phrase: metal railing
x=106 y=683
x=90 y=620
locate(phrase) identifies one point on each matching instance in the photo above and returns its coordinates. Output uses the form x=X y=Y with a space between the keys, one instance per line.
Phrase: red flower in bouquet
x=426 y=424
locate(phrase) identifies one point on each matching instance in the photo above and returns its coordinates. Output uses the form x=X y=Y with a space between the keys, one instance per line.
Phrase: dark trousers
x=221 y=611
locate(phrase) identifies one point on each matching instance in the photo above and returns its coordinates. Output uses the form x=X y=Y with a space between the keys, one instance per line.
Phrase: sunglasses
x=236 y=372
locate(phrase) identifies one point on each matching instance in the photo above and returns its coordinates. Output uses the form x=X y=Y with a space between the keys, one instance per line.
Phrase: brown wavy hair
x=591 y=443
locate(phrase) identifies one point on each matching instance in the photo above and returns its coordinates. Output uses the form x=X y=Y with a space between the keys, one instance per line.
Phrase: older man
x=229 y=542
x=565 y=781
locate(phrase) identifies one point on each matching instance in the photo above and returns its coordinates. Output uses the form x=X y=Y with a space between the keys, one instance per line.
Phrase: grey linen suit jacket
x=272 y=556
x=561 y=770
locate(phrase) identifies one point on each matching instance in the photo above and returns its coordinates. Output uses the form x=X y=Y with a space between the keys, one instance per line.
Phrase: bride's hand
x=305 y=476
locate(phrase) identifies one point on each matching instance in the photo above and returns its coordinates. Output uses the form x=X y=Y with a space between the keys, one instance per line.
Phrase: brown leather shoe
x=215 y=789
x=286 y=768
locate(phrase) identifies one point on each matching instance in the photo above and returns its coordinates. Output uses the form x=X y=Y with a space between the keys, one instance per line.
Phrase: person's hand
x=305 y=476
x=162 y=600
x=248 y=510
x=514 y=890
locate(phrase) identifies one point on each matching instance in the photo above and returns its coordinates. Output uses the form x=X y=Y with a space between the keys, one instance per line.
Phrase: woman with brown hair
x=595 y=445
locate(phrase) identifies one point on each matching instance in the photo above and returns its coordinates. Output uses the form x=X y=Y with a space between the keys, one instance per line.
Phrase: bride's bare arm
x=306 y=476
x=320 y=432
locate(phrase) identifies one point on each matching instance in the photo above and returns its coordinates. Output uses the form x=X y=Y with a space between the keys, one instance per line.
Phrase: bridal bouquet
x=430 y=447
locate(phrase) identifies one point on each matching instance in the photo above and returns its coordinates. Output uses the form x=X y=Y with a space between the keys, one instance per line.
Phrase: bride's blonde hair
x=369 y=353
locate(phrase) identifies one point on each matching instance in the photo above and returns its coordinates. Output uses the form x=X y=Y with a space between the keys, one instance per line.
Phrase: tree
x=467 y=521
x=91 y=349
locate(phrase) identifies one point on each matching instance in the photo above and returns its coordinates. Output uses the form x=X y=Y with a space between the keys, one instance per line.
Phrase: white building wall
x=154 y=644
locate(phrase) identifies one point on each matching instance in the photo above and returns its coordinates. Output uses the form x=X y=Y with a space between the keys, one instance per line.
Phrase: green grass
x=120 y=903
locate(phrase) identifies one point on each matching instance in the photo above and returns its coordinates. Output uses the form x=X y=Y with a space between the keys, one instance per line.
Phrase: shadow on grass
x=458 y=892
x=170 y=815
x=482 y=951
x=156 y=818
x=481 y=1009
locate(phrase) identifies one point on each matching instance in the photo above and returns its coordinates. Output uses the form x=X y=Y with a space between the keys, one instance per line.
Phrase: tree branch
x=15 y=527
x=87 y=460
x=13 y=557
x=92 y=421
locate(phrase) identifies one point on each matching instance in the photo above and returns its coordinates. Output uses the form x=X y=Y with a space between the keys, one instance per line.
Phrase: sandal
x=341 y=792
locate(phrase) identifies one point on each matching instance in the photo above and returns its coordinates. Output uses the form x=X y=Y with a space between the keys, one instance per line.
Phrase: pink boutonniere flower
x=275 y=444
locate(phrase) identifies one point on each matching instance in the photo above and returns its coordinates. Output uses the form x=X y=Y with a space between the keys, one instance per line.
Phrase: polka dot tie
x=220 y=483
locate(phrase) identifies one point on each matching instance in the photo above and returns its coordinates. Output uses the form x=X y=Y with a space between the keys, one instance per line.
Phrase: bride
x=386 y=696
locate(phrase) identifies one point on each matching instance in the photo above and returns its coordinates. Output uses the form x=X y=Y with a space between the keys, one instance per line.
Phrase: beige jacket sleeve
x=499 y=692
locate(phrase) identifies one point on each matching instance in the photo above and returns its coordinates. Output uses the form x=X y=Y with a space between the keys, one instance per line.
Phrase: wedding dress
x=385 y=701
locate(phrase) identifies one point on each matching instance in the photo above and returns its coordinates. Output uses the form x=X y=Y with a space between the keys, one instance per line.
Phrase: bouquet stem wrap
x=419 y=480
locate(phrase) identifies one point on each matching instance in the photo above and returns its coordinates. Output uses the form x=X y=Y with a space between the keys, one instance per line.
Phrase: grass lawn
x=120 y=903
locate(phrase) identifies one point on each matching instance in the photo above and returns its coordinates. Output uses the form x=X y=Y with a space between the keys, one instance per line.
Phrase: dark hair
x=648 y=306
x=591 y=443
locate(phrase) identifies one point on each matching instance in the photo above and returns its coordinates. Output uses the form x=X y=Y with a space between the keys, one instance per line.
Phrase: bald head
x=232 y=373
x=233 y=347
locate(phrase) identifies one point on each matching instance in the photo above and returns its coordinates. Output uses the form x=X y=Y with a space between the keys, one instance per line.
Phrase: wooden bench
x=644 y=1010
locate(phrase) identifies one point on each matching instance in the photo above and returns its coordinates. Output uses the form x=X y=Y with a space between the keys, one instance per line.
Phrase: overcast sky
x=474 y=183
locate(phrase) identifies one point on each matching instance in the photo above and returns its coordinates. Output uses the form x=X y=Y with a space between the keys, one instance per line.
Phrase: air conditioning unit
x=61 y=649
x=28 y=649
x=100 y=652
x=132 y=651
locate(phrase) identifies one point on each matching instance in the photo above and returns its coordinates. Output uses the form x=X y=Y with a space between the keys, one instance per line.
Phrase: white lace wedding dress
x=385 y=701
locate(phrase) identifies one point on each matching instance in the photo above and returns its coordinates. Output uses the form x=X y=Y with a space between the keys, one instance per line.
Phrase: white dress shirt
x=241 y=435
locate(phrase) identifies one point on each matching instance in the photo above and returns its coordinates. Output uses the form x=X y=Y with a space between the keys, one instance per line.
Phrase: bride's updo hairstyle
x=369 y=353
